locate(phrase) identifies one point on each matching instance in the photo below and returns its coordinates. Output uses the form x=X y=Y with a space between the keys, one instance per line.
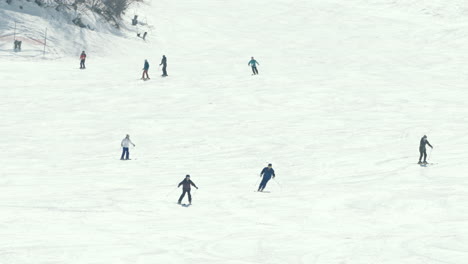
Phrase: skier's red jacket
x=83 y=56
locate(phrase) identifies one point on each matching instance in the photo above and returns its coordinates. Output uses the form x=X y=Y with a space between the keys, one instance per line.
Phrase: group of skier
x=146 y=68
x=252 y=63
x=267 y=173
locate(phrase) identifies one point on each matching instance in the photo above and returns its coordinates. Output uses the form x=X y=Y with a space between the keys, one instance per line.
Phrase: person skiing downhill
x=253 y=63
x=267 y=173
x=422 y=149
x=164 y=64
x=82 y=60
x=125 y=144
x=145 y=71
x=186 y=183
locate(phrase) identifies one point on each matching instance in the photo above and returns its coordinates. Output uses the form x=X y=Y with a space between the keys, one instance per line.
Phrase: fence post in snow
x=14 y=33
x=45 y=41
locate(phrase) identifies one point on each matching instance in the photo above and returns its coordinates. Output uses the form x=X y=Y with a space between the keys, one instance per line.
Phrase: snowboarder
x=186 y=183
x=125 y=144
x=164 y=64
x=145 y=71
x=267 y=173
x=422 y=149
x=253 y=63
x=82 y=60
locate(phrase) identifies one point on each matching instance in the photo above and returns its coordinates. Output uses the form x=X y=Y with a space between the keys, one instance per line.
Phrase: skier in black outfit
x=164 y=64
x=186 y=188
x=267 y=173
x=422 y=149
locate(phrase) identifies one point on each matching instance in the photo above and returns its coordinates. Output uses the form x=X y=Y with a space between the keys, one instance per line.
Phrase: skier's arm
x=131 y=142
x=262 y=172
x=193 y=184
x=273 y=173
x=429 y=144
x=182 y=182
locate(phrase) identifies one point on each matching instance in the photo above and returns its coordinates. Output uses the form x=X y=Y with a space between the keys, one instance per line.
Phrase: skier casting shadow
x=164 y=64
x=125 y=145
x=145 y=71
x=267 y=173
x=186 y=183
x=422 y=149
x=82 y=60
x=253 y=63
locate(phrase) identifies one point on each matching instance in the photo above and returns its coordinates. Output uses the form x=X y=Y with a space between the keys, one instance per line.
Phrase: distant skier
x=164 y=64
x=267 y=173
x=422 y=149
x=82 y=60
x=253 y=63
x=186 y=183
x=145 y=71
x=125 y=144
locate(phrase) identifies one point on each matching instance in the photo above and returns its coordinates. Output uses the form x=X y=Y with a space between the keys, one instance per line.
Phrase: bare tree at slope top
x=118 y=7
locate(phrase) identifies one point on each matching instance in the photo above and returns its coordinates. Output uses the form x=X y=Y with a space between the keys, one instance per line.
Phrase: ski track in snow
x=345 y=91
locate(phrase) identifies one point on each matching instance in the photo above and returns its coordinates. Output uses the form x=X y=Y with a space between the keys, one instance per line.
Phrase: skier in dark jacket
x=145 y=71
x=186 y=183
x=164 y=64
x=267 y=173
x=82 y=60
x=253 y=63
x=422 y=149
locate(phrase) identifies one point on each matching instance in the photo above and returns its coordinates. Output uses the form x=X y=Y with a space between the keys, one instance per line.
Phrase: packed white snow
x=345 y=92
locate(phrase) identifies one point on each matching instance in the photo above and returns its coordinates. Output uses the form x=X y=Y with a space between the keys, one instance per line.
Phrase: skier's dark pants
x=164 y=70
x=263 y=183
x=82 y=65
x=422 y=152
x=254 y=70
x=145 y=72
x=183 y=194
x=125 y=153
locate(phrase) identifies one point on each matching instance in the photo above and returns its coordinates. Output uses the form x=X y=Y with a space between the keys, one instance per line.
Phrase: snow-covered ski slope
x=345 y=92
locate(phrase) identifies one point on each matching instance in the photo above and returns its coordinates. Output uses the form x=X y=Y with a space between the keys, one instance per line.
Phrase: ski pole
x=171 y=191
x=194 y=192
x=277 y=183
x=430 y=153
x=256 y=183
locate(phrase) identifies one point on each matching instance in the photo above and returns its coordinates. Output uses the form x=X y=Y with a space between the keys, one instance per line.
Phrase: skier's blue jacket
x=253 y=63
x=146 y=67
x=267 y=173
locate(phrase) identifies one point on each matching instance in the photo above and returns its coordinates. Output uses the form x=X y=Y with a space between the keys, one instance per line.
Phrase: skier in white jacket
x=125 y=144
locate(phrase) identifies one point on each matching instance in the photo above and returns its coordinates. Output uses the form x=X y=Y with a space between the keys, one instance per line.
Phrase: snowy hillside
x=34 y=25
x=345 y=92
